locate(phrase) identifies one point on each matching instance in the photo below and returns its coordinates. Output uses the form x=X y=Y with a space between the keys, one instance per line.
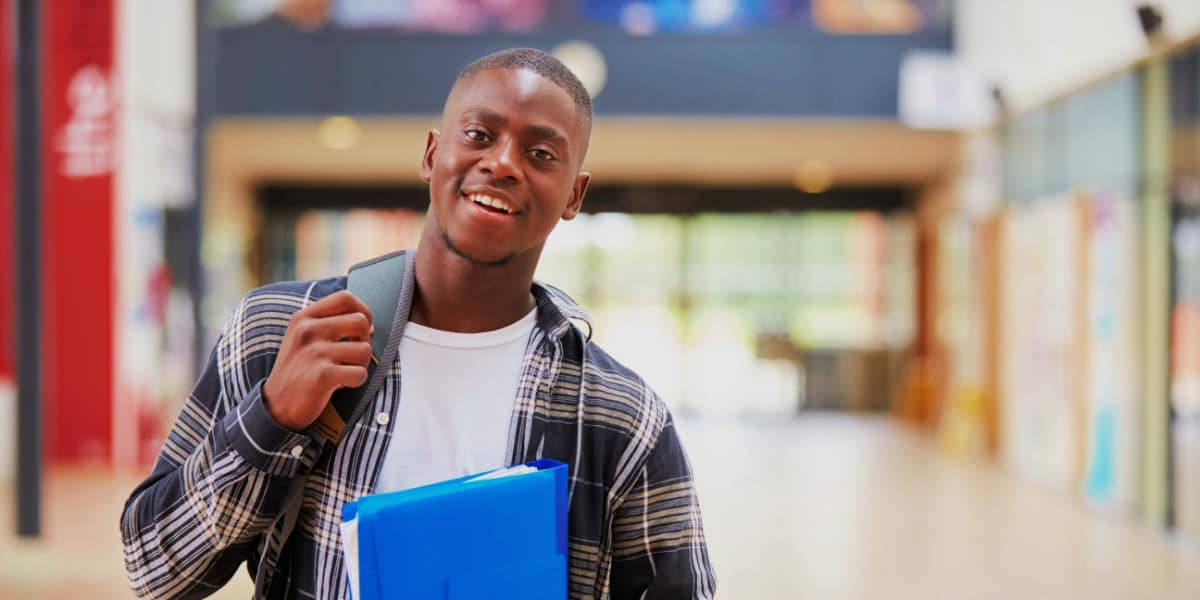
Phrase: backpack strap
x=385 y=285
x=379 y=283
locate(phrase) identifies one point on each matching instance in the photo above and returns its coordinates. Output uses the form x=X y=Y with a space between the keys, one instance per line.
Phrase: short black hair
x=542 y=63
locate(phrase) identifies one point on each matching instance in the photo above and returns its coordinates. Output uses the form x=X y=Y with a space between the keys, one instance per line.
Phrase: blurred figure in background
x=453 y=16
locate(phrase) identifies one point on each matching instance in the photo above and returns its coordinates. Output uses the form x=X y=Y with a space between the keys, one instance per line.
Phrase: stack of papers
x=500 y=534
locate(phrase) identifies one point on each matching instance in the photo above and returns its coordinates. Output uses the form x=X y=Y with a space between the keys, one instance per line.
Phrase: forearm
x=191 y=523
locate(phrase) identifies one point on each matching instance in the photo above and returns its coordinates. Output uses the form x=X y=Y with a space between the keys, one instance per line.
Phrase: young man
x=491 y=371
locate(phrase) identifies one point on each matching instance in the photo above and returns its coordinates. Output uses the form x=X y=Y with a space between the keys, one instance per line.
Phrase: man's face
x=505 y=166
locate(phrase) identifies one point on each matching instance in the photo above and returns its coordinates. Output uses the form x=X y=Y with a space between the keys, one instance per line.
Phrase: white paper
x=509 y=472
x=350 y=552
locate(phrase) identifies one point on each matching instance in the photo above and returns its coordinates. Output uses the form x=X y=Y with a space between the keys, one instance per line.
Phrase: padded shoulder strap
x=379 y=283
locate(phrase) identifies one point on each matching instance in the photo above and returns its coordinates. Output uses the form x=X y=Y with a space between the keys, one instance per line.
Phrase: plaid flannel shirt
x=211 y=502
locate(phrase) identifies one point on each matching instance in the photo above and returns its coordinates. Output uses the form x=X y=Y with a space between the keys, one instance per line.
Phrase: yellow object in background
x=963 y=429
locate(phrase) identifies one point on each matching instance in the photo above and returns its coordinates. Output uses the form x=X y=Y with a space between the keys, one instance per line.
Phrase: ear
x=430 y=151
x=577 y=191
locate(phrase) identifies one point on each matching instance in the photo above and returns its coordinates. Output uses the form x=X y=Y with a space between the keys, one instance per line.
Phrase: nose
x=503 y=161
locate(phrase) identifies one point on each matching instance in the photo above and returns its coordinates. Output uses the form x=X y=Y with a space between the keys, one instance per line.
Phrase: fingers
x=339 y=319
x=348 y=353
x=353 y=326
x=343 y=376
x=340 y=303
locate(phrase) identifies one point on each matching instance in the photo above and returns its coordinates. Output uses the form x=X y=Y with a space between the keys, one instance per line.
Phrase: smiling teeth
x=486 y=200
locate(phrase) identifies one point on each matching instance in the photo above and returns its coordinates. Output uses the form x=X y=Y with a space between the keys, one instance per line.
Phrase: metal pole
x=28 y=222
x=206 y=50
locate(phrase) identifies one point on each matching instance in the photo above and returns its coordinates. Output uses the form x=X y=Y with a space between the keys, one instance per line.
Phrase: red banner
x=80 y=103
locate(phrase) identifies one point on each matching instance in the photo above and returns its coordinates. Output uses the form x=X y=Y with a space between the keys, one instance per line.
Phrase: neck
x=456 y=294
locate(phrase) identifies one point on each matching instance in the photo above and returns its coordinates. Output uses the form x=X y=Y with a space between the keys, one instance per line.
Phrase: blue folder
x=466 y=538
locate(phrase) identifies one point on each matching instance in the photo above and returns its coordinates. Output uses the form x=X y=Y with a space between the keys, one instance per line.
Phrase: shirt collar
x=557 y=312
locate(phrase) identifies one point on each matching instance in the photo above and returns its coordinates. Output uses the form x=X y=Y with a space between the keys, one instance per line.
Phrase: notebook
x=500 y=534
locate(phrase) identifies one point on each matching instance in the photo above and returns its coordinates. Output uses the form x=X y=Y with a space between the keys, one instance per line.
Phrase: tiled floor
x=833 y=506
x=822 y=507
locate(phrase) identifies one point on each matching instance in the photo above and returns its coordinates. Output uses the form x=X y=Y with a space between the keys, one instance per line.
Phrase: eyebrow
x=544 y=132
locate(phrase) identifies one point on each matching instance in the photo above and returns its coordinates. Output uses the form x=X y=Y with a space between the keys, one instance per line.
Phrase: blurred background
x=919 y=278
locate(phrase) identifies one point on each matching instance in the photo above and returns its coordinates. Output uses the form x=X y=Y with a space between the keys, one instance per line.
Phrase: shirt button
x=297 y=450
x=382 y=418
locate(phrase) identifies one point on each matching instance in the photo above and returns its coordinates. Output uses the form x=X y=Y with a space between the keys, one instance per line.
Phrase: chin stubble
x=471 y=259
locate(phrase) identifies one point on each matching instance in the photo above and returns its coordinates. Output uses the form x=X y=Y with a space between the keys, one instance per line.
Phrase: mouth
x=490 y=203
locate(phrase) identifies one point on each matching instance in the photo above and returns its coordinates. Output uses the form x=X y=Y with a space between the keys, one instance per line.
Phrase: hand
x=327 y=346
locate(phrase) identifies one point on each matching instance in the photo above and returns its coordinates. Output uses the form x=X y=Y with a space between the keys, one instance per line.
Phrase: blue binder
x=466 y=538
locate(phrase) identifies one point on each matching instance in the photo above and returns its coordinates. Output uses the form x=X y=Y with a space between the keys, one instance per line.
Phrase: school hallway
x=829 y=506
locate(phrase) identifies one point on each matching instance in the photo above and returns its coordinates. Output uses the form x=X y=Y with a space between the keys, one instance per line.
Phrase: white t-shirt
x=457 y=393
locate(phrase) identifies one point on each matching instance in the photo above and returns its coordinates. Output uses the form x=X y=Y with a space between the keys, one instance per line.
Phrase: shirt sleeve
x=222 y=474
x=659 y=550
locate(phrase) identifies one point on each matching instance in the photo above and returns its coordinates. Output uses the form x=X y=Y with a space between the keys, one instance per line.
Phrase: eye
x=540 y=154
x=476 y=135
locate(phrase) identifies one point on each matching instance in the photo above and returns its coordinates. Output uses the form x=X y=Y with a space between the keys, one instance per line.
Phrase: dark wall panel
x=271 y=68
